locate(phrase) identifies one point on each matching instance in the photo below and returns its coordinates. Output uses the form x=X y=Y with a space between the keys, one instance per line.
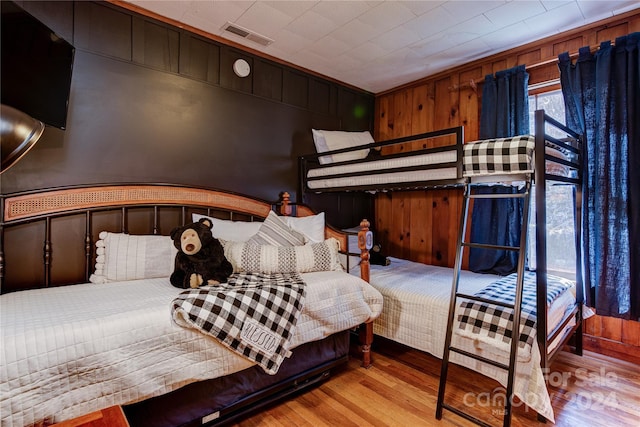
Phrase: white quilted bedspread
x=416 y=307
x=71 y=350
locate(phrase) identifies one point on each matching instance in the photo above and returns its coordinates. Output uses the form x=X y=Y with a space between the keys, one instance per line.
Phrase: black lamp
x=18 y=134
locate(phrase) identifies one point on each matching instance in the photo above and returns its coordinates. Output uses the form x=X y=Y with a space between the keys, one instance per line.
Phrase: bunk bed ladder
x=516 y=306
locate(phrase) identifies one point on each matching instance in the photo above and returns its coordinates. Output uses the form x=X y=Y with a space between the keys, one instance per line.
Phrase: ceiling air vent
x=247 y=34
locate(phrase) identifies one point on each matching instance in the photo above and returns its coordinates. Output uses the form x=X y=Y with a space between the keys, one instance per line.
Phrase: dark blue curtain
x=505 y=112
x=601 y=93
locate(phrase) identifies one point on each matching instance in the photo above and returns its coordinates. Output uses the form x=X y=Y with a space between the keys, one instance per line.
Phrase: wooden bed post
x=365 y=331
x=285 y=207
x=365 y=242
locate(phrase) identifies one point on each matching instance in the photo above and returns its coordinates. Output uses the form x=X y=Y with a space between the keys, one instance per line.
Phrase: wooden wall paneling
x=383 y=204
x=443 y=105
x=404 y=224
x=569 y=45
x=612 y=328
x=544 y=73
x=319 y=96
x=588 y=326
x=422 y=111
x=631 y=332
x=617 y=338
x=441 y=224
x=267 y=79
x=421 y=226
x=355 y=110
x=400 y=220
x=597 y=325
x=446 y=115
x=469 y=97
x=199 y=58
x=102 y=29
x=228 y=78
x=498 y=65
x=155 y=45
x=634 y=24
x=385 y=118
x=403 y=115
x=611 y=32
x=530 y=57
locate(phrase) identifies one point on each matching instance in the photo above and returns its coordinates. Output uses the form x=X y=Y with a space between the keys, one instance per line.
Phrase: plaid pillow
x=274 y=231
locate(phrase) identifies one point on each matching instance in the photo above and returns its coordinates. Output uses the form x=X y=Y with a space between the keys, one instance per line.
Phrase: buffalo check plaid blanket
x=253 y=314
x=494 y=324
x=499 y=156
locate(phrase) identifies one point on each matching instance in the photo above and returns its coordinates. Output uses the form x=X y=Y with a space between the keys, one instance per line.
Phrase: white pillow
x=311 y=226
x=256 y=258
x=237 y=231
x=329 y=140
x=274 y=231
x=125 y=257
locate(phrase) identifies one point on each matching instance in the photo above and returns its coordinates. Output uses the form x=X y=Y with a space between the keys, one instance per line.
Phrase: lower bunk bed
x=81 y=336
x=416 y=307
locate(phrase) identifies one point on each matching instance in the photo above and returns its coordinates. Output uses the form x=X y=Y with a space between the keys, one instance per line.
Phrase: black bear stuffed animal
x=200 y=259
x=376 y=257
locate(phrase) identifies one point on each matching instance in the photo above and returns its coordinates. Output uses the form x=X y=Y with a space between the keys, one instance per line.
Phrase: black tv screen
x=36 y=67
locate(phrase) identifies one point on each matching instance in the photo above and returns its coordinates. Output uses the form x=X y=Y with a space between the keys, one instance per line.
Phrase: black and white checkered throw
x=499 y=156
x=253 y=314
x=492 y=322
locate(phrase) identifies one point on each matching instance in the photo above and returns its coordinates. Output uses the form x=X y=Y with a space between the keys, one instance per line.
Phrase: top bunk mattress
x=514 y=155
x=384 y=171
x=499 y=159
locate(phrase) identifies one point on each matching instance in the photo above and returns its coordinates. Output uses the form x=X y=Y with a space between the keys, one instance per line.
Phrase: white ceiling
x=379 y=45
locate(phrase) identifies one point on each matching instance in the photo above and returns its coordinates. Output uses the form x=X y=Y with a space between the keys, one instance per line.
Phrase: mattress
x=415 y=313
x=494 y=157
x=325 y=177
x=71 y=350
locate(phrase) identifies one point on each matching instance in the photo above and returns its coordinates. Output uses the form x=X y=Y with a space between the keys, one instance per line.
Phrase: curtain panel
x=504 y=113
x=601 y=92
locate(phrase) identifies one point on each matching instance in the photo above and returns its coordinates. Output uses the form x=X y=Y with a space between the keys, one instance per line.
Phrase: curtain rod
x=472 y=84
x=572 y=55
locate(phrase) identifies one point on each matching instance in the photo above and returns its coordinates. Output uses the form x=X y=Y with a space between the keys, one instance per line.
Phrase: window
x=561 y=254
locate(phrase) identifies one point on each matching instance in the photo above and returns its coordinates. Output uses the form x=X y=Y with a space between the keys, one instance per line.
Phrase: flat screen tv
x=35 y=67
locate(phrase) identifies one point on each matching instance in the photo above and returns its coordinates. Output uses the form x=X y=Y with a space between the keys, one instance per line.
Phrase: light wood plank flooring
x=401 y=388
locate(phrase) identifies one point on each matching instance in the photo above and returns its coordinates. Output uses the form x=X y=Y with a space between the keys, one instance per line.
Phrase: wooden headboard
x=47 y=237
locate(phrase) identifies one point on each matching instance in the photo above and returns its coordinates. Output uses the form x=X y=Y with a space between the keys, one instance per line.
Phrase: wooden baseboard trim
x=615 y=349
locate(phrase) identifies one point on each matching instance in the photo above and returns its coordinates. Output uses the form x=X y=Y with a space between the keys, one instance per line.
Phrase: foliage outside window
x=561 y=254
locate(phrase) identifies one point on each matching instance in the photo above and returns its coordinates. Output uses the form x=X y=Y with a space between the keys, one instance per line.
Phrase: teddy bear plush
x=200 y=258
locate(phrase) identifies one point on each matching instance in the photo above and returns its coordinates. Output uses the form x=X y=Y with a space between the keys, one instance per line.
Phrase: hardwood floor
x=401 y=388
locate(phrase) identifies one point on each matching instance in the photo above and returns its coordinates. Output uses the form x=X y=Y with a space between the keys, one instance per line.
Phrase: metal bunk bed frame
x=572 y=144
x=540 y=176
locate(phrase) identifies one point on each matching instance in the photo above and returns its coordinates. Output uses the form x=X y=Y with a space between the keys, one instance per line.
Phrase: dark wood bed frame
x=44 y=233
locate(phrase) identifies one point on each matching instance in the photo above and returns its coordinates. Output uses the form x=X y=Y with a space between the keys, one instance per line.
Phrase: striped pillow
x=255 y=258
x=274 y=231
